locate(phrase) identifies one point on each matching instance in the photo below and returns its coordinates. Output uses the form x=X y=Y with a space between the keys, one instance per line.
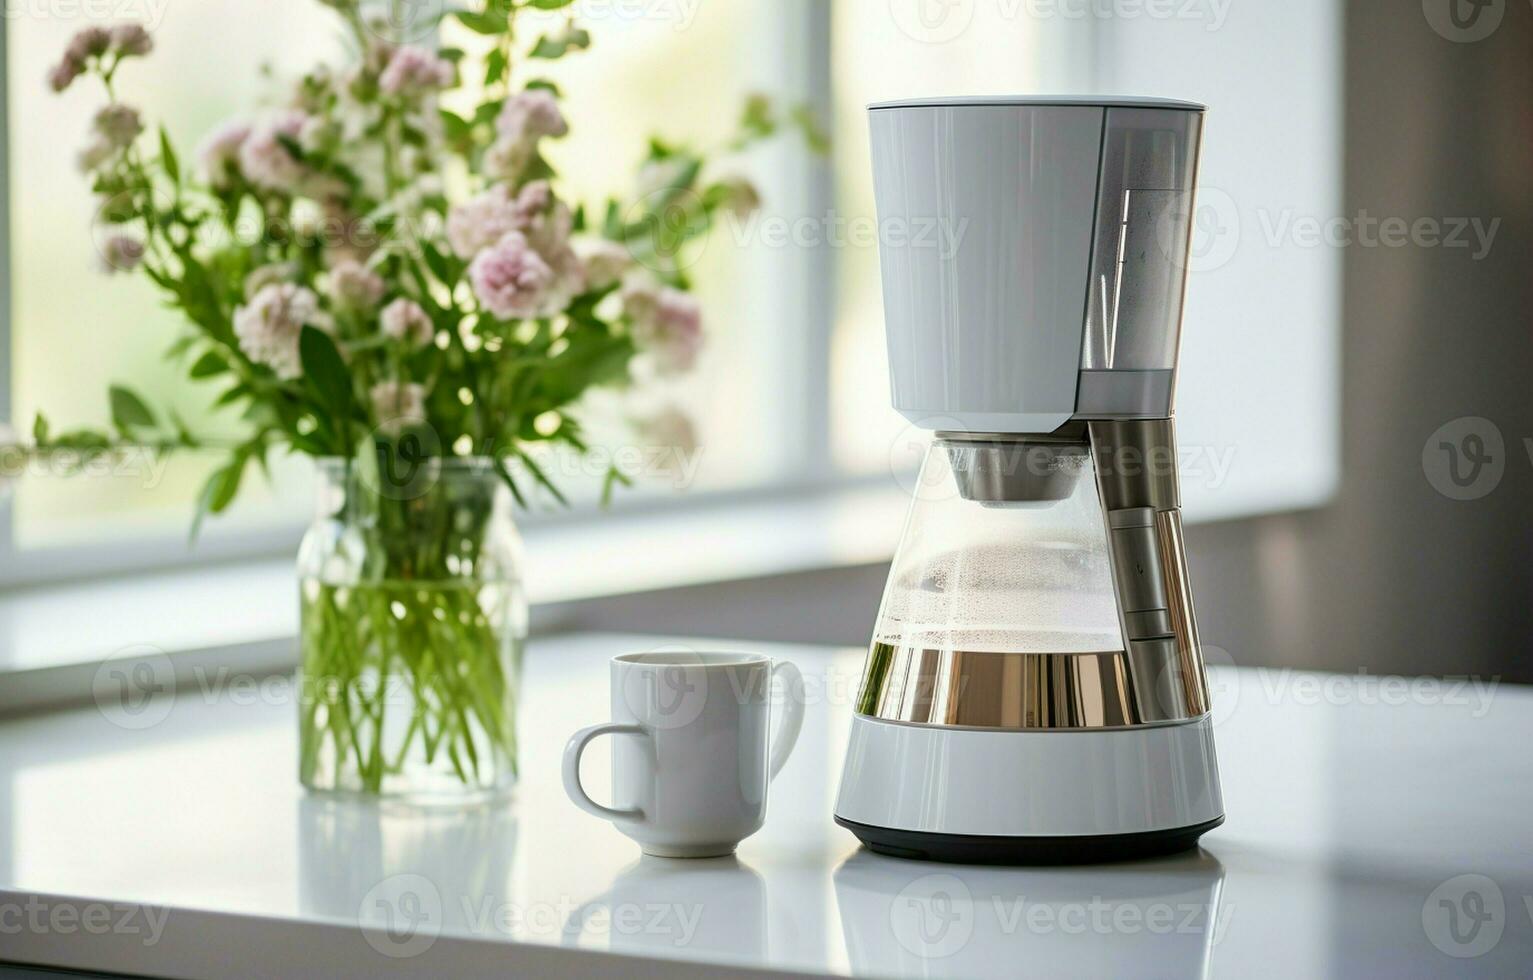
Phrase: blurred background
x=1332 y=370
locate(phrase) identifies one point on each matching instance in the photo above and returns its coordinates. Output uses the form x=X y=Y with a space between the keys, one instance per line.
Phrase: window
x=792 y=390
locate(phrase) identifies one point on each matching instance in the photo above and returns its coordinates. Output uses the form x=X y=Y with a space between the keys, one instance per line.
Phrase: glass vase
x=413 y=619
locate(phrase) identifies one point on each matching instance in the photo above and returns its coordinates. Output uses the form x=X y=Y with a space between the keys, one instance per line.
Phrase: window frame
x=806 y=26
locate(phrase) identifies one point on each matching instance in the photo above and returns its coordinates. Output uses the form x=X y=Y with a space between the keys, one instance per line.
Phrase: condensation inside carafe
x=981 y=578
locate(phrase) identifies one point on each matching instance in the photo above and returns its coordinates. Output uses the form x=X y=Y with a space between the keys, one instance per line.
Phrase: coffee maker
x=1035 y=692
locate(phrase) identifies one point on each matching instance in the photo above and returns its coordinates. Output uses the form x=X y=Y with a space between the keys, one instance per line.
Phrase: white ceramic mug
x=690 y=762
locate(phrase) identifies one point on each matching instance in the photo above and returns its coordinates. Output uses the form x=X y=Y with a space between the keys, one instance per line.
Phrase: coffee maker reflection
x=1160 y=918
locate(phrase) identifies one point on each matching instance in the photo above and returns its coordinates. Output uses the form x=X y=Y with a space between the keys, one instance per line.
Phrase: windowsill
x=244 y=616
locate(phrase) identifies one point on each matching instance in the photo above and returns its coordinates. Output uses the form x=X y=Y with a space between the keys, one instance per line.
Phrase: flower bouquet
x=396 y=289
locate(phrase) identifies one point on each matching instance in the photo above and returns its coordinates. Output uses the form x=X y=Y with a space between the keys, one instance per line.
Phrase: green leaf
x=549 y=4
x=505 y=475
x=489 y=21
x=439 y=264
x=554 y=46
x=292 y=146
x=453 y=55
x=168 y=158
x=495 y=67
x=540 y=476
x=326 y=374
x=232 y=395
x=756 y=119
x=814 y=135
x=208 y=365
x=219 y=492
x=610 y=481
x=455 y=126
x=545 y=85
x=128 y=410
x=40 y=430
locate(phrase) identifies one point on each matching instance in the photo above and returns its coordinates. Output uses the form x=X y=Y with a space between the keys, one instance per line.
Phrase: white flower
x=414 y=71
x=268 y=275
x=355 y=287
x=512 y=280
x=404 y=320
x=269 y=326
x=122 y=253
x=397 y=404
x=605 y=261
x=666 y=322
x=220 y=153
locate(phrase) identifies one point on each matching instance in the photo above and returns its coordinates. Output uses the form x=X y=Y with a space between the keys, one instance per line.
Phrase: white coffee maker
x=1035 y=690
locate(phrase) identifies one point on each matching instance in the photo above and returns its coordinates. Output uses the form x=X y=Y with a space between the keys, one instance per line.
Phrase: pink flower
x=88 y=42
x=63 y=74
x=269 y=326
x=94 y=154
x=122 y=253
x=482 y=221
x=130 y=40
x=529 y=115
x=667 y=323
x=404 y=320
x=267 y=162
x=118 y=124
x=355 y=287
x=511 y=279
x=397 y=404
x=740 y=196
x=414 y=71
x=670 y=427
x=264 y=159
x=524 y=119
x=220 y=153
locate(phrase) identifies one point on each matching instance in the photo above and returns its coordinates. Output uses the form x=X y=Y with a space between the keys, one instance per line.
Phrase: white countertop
x=187 y=849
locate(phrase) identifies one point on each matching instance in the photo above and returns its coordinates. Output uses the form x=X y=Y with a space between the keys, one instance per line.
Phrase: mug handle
x=574 y=749
x=792 y=718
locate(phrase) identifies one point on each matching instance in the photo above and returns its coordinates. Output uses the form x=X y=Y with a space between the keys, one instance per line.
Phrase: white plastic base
x=935 y=780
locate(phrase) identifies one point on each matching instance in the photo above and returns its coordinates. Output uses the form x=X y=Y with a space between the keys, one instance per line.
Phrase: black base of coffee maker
x=983 y=849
